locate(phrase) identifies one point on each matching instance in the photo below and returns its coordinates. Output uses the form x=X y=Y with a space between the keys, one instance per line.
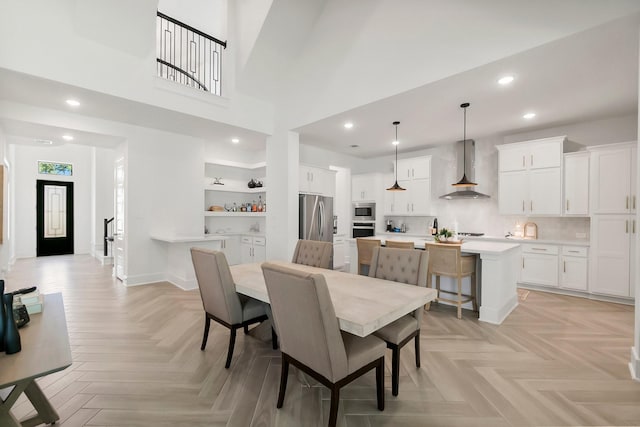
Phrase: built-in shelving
x=234 y=189
x=242 y=214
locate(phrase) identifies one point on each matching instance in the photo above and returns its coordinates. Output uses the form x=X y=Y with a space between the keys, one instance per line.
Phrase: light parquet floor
x=556 y=361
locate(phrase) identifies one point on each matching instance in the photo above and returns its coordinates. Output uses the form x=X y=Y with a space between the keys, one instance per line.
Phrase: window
x=52 y=168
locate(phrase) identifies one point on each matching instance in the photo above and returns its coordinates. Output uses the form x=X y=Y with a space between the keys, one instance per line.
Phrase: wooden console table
x=45 y=350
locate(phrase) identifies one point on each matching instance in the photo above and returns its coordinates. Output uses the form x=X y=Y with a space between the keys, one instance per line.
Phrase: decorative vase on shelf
x=11 y=335
x=2 y=315
x=251 y=184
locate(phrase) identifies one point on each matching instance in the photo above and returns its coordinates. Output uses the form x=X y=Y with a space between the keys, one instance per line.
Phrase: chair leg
x=246 y=329
x=474 y=295
x=335 y=401
x=437 y=288
x=284 y=374
x=274 y=339
x=232 y=343
x=459 y=298
x=417 y=342
x=380 y=383
x=395 y=369
x=207 y=324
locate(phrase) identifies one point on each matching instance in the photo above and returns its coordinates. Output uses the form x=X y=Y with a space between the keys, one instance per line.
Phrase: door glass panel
x=55 y=211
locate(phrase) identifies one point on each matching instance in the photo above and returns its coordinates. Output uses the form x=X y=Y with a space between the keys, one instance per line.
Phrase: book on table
x=31 y=297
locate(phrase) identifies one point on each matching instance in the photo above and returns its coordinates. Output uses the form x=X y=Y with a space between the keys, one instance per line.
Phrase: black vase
x=11 y=335
x=2 y=315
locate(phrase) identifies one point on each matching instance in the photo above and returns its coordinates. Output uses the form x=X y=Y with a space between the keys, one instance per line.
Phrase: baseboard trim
x=144 y=279
x=182 y=283
x=634 y=364
x=578 y=294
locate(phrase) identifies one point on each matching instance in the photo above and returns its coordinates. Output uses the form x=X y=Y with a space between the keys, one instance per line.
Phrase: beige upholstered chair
x=313 y=253
x=446 y=260
x=365 y=251
x=219 y=298
x=310 y=337
x=399 y=244
x=405 y=266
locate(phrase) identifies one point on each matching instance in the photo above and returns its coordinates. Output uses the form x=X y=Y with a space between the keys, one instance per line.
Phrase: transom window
x=52 y=168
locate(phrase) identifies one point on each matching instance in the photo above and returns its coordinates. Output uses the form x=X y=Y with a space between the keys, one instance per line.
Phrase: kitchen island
x=497 y=277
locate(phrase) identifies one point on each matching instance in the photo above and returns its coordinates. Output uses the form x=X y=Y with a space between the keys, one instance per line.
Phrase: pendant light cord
x=396 y=153
x=464 y=143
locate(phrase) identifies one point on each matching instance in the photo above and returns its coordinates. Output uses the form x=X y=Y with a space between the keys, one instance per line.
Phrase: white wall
x=7 y=238
x=208 y=16
x=102 y=195
x=25 y=175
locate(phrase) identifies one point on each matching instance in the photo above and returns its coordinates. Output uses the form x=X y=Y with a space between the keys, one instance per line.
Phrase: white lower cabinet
x=613 y=248
x=539 y=265
x=252 y=249
x=338 y=252
x=231 y=249
x=573 y=268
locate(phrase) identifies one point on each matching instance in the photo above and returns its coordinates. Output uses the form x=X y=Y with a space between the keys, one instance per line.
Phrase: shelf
x=234 y=164
x=233 y=189
x=244 y=214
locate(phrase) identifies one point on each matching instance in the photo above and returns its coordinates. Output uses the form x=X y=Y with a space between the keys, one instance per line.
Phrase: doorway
x=54 y=222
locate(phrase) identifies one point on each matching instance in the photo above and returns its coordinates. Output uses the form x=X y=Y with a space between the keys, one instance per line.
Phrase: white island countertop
x=468 y=246
x=187 y=239
x=485 y=238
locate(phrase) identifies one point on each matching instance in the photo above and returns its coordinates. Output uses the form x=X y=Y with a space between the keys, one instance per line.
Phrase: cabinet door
x=611 y=237
x=390 y=205
x=539 y=269
x=513 y=158
x=361 y=188
x=231 y=249
x=259 y=250
x=546 y=154
x=611 y=181
x=304 y=180
x=545 y=192
x=402 y=202
x=338 y=254
x=325 y=182
x=512 y=194
x=246 y=253
x=634 y=170
x=405 y=167
x=421 y=168
x=573 y=273
x=420 y=196
x=576 y=185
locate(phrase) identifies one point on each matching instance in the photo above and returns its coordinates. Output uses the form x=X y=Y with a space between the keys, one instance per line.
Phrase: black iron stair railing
x=107 y=237
x=188 y=56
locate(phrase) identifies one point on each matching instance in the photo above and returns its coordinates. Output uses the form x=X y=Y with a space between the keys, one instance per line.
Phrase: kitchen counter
x=415 y=236
x=498 y=272
x=204 y=237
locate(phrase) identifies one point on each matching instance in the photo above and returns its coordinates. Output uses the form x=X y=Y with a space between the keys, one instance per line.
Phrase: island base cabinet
x=252 y=249
x=612 y=246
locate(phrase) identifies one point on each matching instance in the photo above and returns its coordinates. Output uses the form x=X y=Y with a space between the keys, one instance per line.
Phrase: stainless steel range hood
x=469 y=172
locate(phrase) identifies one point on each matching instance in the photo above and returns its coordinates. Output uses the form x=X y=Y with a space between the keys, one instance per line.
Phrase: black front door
x=54 y=204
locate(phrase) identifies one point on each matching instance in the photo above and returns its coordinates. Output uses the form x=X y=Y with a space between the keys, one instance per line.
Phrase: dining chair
x=365 y=251
x=405 y=266
x=311 y=339
x=400 y=244
x=314 y=253
x=447 y=260
x=220 y=300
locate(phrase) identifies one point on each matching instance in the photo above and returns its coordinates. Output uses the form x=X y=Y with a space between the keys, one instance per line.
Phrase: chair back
x=217 y=289
x=408 y=266
x=313 y=253
x=444 y=259
x=365 y=250
x=399 y=244
x=307 y=325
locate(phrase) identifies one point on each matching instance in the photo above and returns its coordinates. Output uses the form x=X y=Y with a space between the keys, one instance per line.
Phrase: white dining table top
x=362 y=304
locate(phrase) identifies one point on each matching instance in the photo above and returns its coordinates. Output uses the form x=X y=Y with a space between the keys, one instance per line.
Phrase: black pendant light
x=464 y=182
x=396 y=187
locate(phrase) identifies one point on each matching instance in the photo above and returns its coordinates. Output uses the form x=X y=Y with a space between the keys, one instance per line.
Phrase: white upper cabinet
x=576 y=184
x=530 y=178
x=314 y=180
x=414 y=168
x=414 y=175
x=613 y=179
x=365 y=187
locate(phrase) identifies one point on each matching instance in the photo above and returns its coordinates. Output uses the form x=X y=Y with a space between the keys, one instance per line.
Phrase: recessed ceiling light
x=67 y=137
x=396 y=142
x=44 y=141
x=354 y=146
x=529 y=116
x=73 y=103
x=348 y=125
x=235 y=140
x=505 y=80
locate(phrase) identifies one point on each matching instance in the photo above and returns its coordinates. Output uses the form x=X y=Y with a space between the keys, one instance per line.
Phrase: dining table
x=362 y=304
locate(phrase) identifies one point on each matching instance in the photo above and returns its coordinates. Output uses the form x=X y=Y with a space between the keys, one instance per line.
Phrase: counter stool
x=446 y=260
x=365 y=252
x=399 y=244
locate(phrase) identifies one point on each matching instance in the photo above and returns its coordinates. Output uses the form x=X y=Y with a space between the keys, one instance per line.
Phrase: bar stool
x=446 y=260
x=365 y=252
x=399 y=244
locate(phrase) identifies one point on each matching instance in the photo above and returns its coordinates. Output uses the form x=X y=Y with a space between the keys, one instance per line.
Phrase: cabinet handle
x=522 y=161
x=574 y=252
x=634 y=202
x=407 y=207
x=627 y=203
x=523 y=263
x=532 y=160
x=523 y=206
x=411 y=207
x=531 y=205
x=538 y=249
x=567 y=205
x=413 y=173
x=634 y=226
x=626 y=226
x=565 y=266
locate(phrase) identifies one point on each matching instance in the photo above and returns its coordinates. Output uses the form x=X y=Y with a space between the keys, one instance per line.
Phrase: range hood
x=465 y=169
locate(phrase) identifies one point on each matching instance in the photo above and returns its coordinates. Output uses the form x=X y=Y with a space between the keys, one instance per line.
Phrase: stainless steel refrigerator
x=316 y=217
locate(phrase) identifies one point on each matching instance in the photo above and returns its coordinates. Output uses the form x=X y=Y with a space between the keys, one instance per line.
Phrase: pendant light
x=464 y=182
x=396 y=187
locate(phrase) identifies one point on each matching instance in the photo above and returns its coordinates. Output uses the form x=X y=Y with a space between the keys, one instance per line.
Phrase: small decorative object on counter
x=258 y=184
x=530 y=230
x=445 y=236
x=251 y=184
x=217 y=181
x=434 y=229
x=11 y=335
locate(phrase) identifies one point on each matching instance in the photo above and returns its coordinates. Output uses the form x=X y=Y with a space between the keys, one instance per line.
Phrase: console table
x=45 y=350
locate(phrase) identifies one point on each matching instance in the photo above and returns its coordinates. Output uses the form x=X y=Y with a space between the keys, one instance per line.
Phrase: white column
x=634 y=365
x=283 y=160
